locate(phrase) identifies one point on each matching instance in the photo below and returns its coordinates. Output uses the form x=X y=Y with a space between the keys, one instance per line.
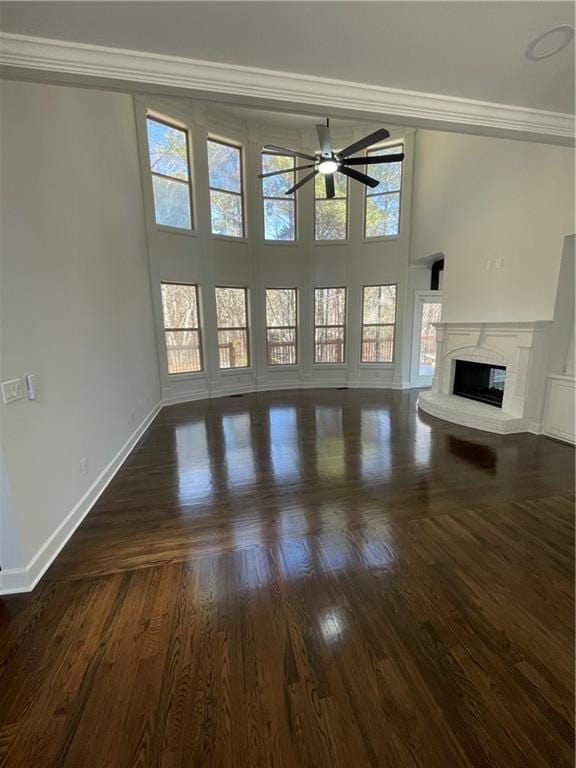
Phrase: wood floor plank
x=319 y=578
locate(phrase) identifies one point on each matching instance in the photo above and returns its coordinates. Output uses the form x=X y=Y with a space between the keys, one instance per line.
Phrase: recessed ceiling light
x=550 y=42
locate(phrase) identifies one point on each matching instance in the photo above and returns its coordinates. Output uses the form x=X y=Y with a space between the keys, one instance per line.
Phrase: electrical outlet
x=83 y=467
x=489 y=265
x=12 y=390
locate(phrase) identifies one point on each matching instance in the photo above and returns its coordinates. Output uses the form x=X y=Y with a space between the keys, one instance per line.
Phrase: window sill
x=232 y=371
x=326 y=366
x=323 y=243
x=177 y=231
x=229 y=238
x=282 y=243
x=382 y=239
x=187 y=376
x=283 y=367
x=369 y=366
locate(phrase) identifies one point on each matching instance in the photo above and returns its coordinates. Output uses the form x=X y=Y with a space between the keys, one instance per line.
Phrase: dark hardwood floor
x=319 y=578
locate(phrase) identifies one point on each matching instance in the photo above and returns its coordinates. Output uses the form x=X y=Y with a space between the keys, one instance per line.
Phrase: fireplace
x=511 y=358
x=480 y=381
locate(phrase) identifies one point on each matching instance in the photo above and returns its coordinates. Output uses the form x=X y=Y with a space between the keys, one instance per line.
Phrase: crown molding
x=63 y=61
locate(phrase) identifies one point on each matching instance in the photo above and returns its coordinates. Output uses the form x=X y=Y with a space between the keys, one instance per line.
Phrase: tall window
x=378 y=319
x=331 y=215
x=170 y=168
x=226 y=200
x=329 y=324
x=382 y=206
x=182 y=327
x=281 y=325
x=431 y=312
x=232 y=321
x=279 y=208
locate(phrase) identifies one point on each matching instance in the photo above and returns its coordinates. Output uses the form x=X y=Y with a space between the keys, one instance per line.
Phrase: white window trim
x=242 y=194
x=191 y=231
x=344 y=362
x=388 y=363
x=294 y=200
x=202 y=373
x=326 y=241
x=385 y=238
x=249 y=331
x=284 y=366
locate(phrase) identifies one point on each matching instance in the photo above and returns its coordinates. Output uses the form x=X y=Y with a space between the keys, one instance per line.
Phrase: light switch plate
x=12 y=390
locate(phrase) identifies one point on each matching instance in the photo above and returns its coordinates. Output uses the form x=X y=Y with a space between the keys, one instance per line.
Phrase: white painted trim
x=245 y=389
x=17 y=580
x=559 y=408
x=420 y=296
x=468 y=413
x=63 y=61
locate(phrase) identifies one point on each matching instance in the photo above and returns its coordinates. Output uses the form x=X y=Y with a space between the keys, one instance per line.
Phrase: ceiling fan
x=328 y=162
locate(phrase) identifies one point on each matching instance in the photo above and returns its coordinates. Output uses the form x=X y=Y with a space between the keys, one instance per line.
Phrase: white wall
x=209 y=261
x=479 y=199
x=561 y=385
x=75 y=301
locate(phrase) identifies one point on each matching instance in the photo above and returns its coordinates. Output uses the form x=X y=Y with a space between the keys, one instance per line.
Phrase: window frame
x=401 y=144
x=344 y=326
x=178 y=126
x=363 y=325
x=334 y=241
x=202 y=369
x=292 y=199
x=283 y=328
x=241 y=194
x=247 y=329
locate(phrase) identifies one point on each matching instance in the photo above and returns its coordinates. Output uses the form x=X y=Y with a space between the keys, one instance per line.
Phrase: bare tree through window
x=329 y=325
x=331 y=215
x=182 y=327
x=279 y=208
x=431 y=313
x=226 y=198
x=170 y=168
x=382 y=203
x=281 y=325
x=232 y=321
x=378 y=323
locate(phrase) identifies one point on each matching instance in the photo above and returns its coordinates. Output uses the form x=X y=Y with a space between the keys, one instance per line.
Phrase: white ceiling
x=290 y=120
x=467 y=49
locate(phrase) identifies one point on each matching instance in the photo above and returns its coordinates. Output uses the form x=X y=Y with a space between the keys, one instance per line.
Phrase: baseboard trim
x=16 y=580
x=246 y=389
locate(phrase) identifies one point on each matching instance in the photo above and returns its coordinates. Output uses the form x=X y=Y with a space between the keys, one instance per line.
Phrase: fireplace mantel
x=520 y=347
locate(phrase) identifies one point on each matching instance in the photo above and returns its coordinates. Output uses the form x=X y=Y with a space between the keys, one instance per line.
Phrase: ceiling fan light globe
x=328 y=166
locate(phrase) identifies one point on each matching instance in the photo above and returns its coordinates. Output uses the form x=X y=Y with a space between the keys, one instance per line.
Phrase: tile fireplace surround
x=521 y=347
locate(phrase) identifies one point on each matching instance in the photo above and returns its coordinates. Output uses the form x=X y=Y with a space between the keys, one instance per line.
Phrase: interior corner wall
x=75 y=306
x=499 y=210
x=561 y=337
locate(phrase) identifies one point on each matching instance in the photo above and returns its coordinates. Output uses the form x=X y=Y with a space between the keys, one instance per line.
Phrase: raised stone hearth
x=520 y=347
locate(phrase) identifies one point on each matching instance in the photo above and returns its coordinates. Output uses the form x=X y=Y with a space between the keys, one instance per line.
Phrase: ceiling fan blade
x=285 y=170
x=324 y=138
x=301 y=183
x=329 y=180
x=372 y=138
x=368 y=180
x=290 y=152
x=374 y=159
